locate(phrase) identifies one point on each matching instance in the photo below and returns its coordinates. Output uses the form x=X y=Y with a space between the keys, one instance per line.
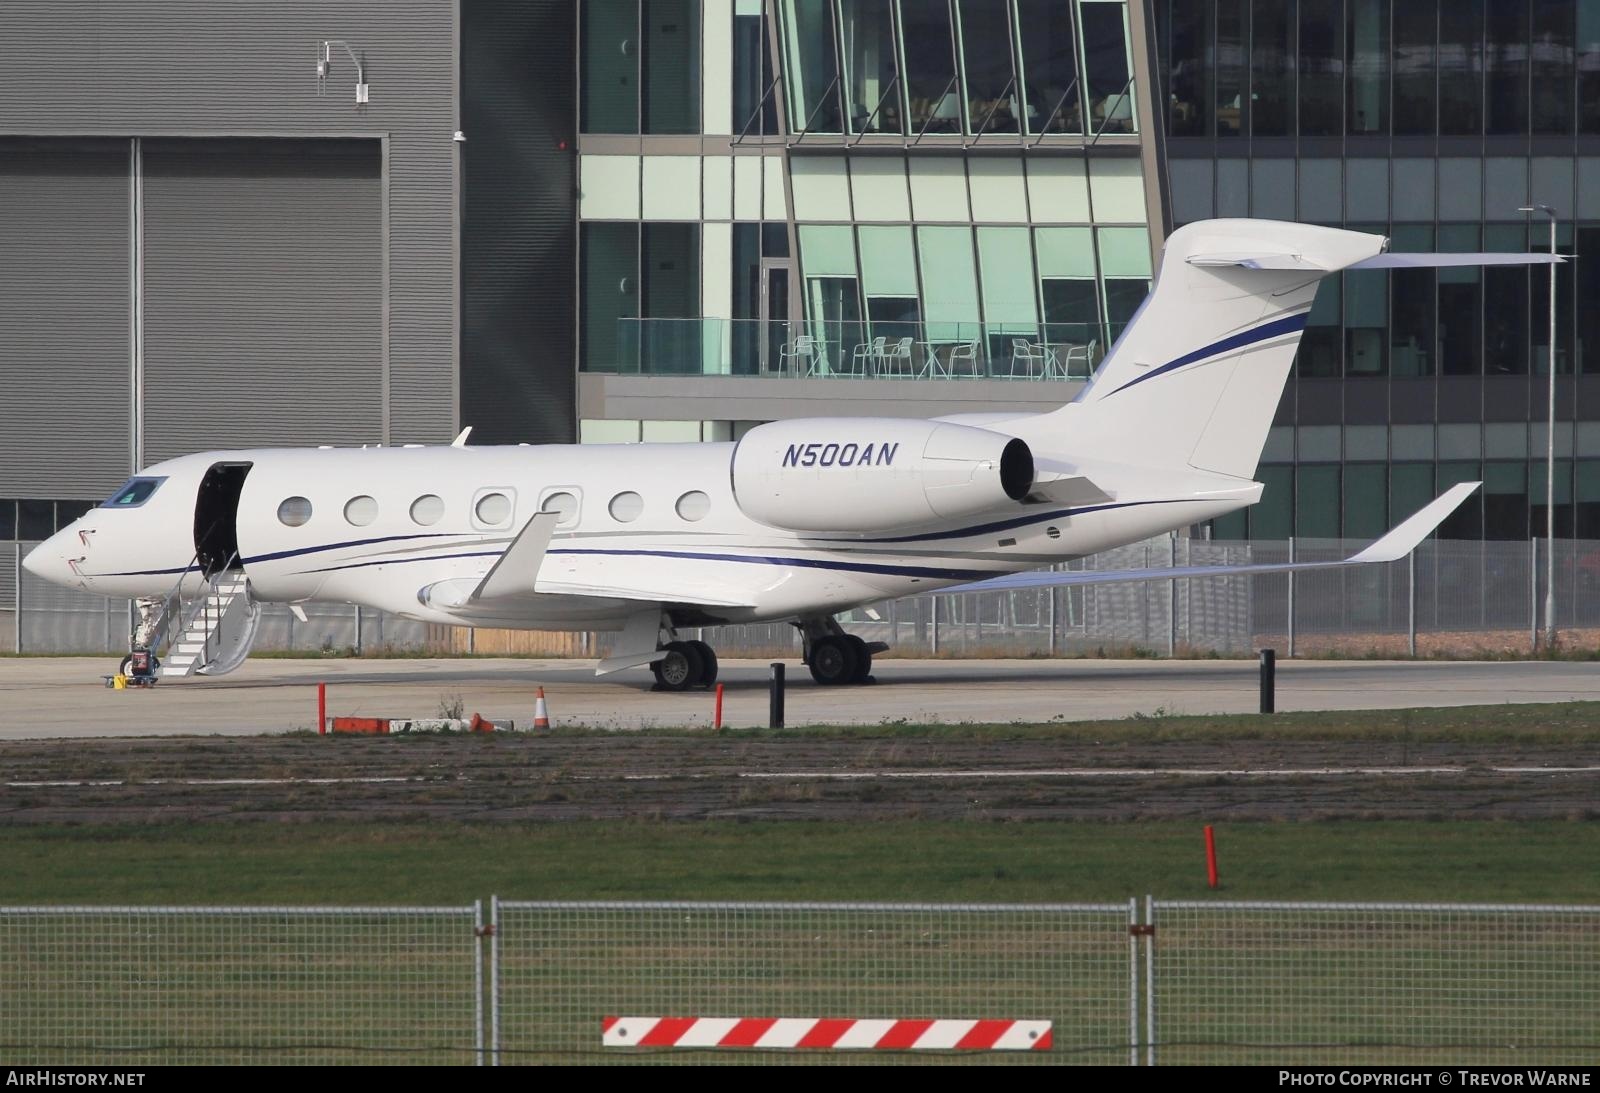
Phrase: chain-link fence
x=213 y=985
x=1373 y=983
x=1450 y=598
x=560 y=968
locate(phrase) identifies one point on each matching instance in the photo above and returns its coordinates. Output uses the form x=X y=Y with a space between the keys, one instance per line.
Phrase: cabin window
x=493 y=508
x=625 y=507
x=361 y=511
x=135 y=493
x=427 y=509
x=564 y=505
x=694 y=505
x=294 y=512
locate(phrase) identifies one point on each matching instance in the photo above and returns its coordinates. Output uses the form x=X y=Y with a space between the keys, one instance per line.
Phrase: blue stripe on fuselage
x=1289 y=324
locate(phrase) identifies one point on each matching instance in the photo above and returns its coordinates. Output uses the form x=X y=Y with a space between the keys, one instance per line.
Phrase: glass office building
x=922 y=205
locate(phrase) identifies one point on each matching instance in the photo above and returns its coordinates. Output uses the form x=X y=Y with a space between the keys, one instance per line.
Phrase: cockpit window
x=135 y=493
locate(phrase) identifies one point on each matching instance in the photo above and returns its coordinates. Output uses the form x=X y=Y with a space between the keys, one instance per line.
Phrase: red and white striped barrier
x=825 y=1033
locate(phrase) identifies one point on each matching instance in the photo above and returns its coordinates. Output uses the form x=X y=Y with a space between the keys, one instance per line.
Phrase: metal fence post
x=1291 y=598
x=16 y=614
x=1133 y=981
x=494 y=980
x=933 y=631
x=1411 y=602
x=477 y=983
x=357 y=642
x=1052 y=621
x=1533 y=595
x=1172 y=596
x=1150 y=981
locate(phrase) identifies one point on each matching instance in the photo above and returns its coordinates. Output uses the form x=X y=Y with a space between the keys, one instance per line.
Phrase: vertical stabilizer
x=1196 y=378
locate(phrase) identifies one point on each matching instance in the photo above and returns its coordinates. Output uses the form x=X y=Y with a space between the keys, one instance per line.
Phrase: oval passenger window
x=694 y=505
x=427 y=509
x=493 y=508
x=294 y=512
x=361 y=510
x=626 y=506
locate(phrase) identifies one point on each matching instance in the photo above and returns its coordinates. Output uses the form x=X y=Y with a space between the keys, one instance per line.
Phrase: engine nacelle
x=872 y=474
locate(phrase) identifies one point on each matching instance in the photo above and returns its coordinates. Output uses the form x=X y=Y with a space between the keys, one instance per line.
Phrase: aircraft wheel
x=708 y=662
x=863 y=670
x=833 y=661
x=680 y=669
x=126 y=667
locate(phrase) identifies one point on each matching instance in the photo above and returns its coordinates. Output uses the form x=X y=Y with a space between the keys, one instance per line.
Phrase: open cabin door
x=216 y=517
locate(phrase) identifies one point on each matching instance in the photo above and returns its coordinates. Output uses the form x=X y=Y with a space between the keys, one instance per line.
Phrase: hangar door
x=263 y=293
x=64 y=317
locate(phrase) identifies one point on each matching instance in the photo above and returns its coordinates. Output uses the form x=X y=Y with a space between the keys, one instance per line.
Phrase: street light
x=1550 y=449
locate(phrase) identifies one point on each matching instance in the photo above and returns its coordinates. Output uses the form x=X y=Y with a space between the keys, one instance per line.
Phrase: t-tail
x=1196 y=378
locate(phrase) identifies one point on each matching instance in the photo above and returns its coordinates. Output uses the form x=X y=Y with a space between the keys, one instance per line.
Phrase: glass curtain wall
x=640 y=66
x=755 y=102
x=914 y=68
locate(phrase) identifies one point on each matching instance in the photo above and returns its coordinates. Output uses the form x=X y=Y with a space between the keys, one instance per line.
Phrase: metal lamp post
x=1550 y=449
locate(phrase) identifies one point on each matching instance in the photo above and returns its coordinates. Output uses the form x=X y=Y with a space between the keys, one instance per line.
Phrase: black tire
x=126 y=667
x=680 y=669
x=708 y=662
x=863 y=670
x=832 y=661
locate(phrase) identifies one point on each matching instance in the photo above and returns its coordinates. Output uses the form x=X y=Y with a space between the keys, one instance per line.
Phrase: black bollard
x=1269 y=676
x=775 y=698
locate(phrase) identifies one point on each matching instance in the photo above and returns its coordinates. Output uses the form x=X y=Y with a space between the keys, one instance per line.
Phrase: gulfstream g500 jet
x=796 y=521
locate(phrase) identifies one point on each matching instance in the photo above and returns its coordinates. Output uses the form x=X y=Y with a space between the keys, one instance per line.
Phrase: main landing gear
x=687 y=664
x=835 y=657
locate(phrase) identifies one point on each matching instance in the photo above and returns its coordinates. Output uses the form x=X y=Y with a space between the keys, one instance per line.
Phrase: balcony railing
x=854 y=350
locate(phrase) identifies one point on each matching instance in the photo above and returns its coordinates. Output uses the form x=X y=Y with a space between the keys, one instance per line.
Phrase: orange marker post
x=1211 y=856
x=717 y=717
x=322 y=709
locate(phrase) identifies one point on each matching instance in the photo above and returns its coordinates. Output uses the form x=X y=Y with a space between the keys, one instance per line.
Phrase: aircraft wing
x=1399 y=542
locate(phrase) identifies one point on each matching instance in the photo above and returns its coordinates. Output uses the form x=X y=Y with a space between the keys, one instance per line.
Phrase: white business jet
x=796 y=521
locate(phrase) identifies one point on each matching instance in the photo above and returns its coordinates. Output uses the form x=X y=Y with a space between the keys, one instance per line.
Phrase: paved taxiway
x=64 y=697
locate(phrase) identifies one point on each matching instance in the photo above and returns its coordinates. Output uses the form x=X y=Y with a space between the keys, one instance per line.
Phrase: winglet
x=461 y=439
x=1405 y=536
x=515 y=571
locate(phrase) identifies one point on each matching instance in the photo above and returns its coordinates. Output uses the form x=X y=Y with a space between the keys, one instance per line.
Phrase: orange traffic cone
x=541 y=712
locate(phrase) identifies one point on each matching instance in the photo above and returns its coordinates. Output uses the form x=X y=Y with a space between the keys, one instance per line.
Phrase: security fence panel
x=560 y=970
x=1373 y=983
x=129 y=985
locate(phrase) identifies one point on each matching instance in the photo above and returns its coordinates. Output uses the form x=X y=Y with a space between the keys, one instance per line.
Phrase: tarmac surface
x=66 y=697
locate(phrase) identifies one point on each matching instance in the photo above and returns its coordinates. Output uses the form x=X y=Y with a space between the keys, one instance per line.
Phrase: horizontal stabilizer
x=1399 y=542
x=1061 y=484
x=1440 y=261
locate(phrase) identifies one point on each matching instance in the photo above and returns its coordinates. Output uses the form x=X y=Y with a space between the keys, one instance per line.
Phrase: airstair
x=215 y=630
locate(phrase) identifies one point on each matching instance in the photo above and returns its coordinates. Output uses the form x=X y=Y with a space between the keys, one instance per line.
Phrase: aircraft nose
x=48 y=561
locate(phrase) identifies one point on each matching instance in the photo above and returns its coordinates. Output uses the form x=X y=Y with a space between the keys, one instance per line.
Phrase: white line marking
x=222 y=782
x=1149 y=772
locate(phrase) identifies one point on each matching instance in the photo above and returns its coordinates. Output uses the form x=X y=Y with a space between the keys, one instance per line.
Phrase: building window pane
x=1071 y=311
x=1320 y=350
x=1551 y=56
x=834 y=304
x=1536 y=499
x=671 y=64
x=1460 y=306
x=1467 y=521
x=1010 y=301
x=1366 y=316
x=992 y=104
x=1505 y=500
x=1461 y=67
x=1271 y=77
x=1416 y=25
x=1367 y=45
x=1411 y=351
x=8 y=519
x=610 y=66
x=1589 y=66
x=1189 y=71
x=872 y=93
x=1365 y=511
x=1410 y=487
x=929 y=41
x=811 y=68
x=1539 y=301
x=37 y=519
x=1588 y=286
x=752 y=75
x=1106 y=66
x=1123 y=297
x=1316 y=502
x=1505 y=325
x=1051 y=97
x=610 y=255
x=1232 y=53
x=1273 y=516
x=949 y=283
x=1507 y=56
x=669 y=263
x=1321 y=68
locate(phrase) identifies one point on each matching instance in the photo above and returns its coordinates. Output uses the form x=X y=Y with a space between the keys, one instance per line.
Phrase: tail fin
x=1196 y=377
